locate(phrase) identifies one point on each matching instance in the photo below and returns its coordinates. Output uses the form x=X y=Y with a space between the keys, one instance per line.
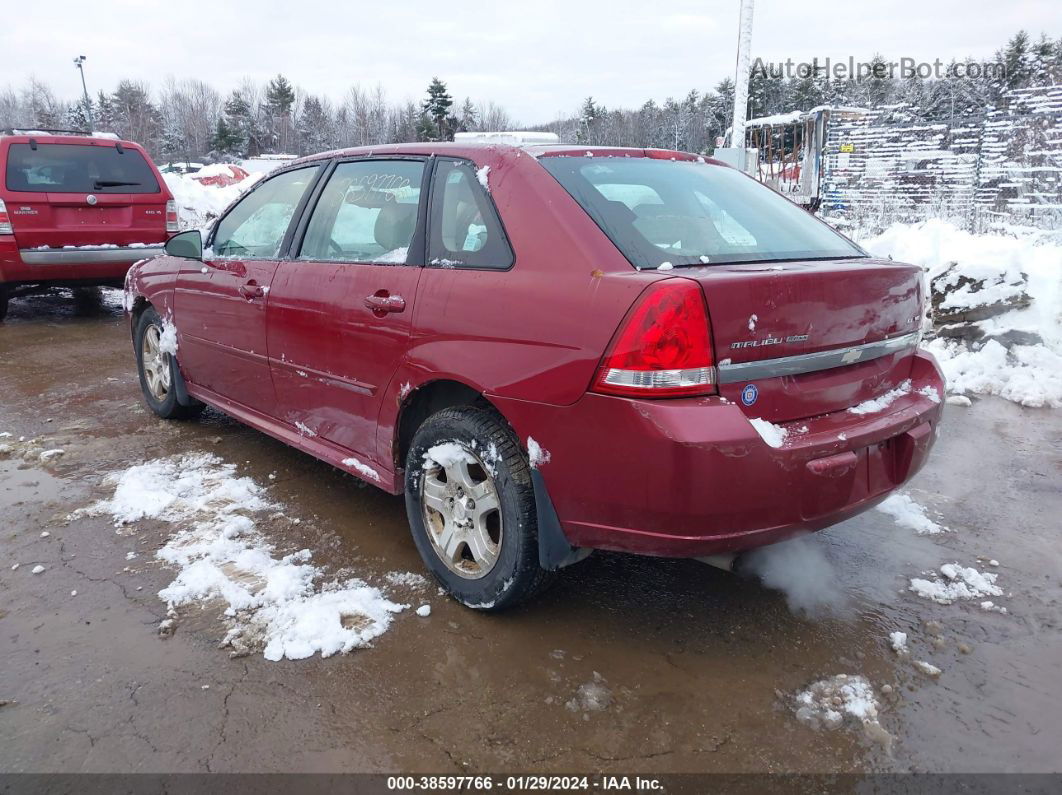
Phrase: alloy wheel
x=462 y=513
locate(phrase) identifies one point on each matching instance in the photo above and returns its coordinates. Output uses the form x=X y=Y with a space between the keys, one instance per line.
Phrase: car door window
x=367 y=213
x=255 y=228
x=465 y=229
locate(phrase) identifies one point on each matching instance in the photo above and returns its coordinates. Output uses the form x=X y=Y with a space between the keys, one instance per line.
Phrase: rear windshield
x=692 y=213
x=73 y=168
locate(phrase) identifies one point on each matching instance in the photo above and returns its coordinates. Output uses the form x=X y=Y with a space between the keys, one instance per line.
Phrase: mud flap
x=554 y=551
x=179 y=386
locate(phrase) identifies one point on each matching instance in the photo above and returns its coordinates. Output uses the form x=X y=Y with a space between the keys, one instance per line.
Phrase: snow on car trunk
x=276 y=603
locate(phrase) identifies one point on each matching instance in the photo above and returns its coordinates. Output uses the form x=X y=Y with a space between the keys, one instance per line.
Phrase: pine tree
x=805 y=93
x=590 y=122
x=426 y=129
x=437 y=108
x=226 y=142
x=280 y=96
x=469 y=117
x=104 y=112
x=78 y=115
x=1041 y=60
x=1016 y=60
x=315 y=128
x=279 y=103
x=239 y=126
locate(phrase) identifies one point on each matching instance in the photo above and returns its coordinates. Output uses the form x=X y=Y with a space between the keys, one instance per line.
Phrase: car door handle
x=251 y=290
x=381 y=302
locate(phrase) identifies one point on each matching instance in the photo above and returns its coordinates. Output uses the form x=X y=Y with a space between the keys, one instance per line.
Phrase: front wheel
x=471 y=508
x=158 y=369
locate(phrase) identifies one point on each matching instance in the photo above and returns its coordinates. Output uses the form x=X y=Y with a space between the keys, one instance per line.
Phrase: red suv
x=550 y=350
x=76 y=210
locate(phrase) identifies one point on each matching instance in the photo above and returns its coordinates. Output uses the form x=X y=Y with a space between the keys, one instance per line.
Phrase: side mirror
x=186 y=244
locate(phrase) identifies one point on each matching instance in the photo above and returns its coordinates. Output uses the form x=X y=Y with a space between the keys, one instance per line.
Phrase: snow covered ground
x=280 y=604
x=1006 y=263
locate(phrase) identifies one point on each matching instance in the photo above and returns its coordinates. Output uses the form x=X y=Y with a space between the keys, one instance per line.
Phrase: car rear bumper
x=89 y=256
x=685 y=478
x=68 y=264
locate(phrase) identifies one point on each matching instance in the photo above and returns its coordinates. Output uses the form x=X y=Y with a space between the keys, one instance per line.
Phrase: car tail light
x=5 y=220
x=171 y=216
x=663 y=347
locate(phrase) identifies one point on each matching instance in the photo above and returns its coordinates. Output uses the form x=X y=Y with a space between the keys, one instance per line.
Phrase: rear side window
x=465 y=230
x=255 y=227
x=73 y=168
x=690 y=213
x=367 y=213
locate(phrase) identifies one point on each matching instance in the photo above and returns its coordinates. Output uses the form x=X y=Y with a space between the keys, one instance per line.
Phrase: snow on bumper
x=58 y=264
x=693 y=477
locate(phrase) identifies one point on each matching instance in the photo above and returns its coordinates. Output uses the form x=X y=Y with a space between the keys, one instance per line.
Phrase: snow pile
x=406 y=579
x=927 y=668
x=1015 y=353
x=882 y=402
x=362 y=469
x=198 y=204
x=537 y=455
x=483 y=175
x=168 y=338
x=592 y=696
x=910 y=514
x=1026 y=374
x=446 y=454
x=219 y=554
x=898 y=642
x=957 y=583
x=830 y=703
x=773 y=435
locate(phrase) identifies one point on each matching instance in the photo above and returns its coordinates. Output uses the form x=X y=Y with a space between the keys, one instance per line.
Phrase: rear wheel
x=4 y=296
x=158 y=370
x=471 y=507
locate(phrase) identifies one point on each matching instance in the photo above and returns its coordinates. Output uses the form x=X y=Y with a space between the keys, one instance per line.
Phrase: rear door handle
x=381 y=302
x=251 y=290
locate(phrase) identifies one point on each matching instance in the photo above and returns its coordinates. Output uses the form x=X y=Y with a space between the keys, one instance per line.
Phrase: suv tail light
x=663 y=347
x=171 y=216
x=5 y=220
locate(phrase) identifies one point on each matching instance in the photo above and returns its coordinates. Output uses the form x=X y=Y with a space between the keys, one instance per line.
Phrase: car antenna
x=119 y=147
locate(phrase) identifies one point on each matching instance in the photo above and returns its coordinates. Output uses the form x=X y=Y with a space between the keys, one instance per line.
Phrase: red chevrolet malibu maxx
x=549 y=350
x=76 y=210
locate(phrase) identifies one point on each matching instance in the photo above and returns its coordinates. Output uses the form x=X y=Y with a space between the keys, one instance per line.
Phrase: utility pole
x=79 y=63
x=741 y=76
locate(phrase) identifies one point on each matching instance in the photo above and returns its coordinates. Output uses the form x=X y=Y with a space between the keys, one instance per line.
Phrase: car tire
x=158 y=370
x=485 y=555
x=4 y=297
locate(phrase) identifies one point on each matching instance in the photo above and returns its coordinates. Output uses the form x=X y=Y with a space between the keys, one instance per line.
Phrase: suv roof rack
x=38 y=130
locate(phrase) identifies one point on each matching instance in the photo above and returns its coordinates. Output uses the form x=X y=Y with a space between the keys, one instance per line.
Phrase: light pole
x=741 y=76
x=79 y=63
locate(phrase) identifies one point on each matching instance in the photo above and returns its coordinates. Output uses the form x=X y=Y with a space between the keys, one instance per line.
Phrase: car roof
x=472 y=149
x=25 y=134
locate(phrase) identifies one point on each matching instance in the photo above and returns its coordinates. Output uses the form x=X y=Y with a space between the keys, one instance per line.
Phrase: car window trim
x=418 y=244
x=285 y=241
x=490 y=200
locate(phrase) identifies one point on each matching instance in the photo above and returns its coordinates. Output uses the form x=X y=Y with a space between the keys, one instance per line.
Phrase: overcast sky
x=537 y=59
